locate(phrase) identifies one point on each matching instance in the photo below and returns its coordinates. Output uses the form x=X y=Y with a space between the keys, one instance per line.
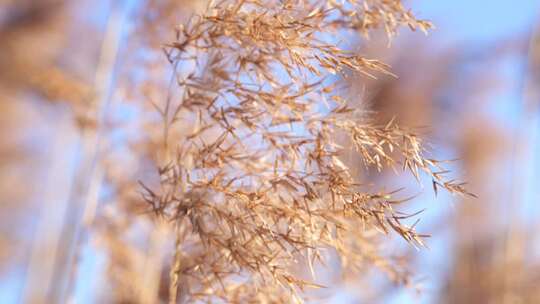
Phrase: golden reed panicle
x=258 y=184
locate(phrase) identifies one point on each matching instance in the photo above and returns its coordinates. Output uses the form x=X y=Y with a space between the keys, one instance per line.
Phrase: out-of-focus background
x=71 y=150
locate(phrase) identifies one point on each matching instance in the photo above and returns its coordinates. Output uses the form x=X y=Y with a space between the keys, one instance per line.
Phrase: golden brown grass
x=258 y=185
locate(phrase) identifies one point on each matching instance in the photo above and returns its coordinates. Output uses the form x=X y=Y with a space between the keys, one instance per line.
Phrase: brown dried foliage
x=257 y=185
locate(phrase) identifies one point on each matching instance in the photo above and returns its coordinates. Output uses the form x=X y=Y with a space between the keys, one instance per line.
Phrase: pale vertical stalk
x=175 y=268
x=151 y=272
x=86 y=192
x=54 y=284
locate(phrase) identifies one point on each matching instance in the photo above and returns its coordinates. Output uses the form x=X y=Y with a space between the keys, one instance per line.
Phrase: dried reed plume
x=257 y=185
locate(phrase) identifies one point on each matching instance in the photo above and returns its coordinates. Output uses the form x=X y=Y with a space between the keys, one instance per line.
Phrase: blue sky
x=478 y=20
